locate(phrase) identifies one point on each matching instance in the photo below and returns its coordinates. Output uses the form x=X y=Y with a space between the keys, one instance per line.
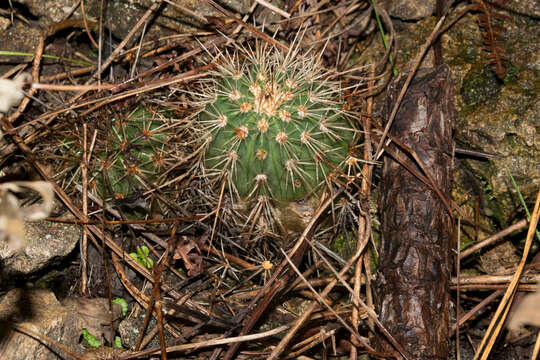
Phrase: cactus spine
x=274 y=124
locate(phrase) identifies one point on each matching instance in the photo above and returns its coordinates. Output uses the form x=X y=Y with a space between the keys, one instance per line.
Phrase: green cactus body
x=133 y=152
x=136 y=155
x=275 y=126
x=137 y=149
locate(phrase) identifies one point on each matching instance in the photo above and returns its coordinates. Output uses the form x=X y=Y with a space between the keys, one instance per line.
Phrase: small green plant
x=122 y=302
x=90 y=339
x=117 y=342
x=142 y=257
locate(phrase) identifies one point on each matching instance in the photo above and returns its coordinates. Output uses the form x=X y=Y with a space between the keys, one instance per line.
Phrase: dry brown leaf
x=189 y=252
x=12 y=216
x=11 y=91
x=527 y=312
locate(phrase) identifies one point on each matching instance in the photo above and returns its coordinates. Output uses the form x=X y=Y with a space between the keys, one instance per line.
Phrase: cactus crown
x=274 y=124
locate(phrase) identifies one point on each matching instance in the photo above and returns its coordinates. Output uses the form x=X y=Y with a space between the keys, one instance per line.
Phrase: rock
x=120 y=18
x=411 y=9
x=40 y=311
x=494 y=116
x=526 y=7
x=49 y=11
x=129 y=331
x=171 y=20
x=19 y=37
x=46 y=242
x=499 y=260
x=499 y=116
x=92 y=315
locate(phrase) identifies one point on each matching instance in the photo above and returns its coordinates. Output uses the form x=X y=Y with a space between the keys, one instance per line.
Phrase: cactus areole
x=274 y=125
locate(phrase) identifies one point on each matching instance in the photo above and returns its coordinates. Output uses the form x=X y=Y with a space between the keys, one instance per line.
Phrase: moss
x=480 y=84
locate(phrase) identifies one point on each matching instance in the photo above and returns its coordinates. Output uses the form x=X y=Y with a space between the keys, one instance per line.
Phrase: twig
x=88 y=33
x=371 y=314
x=273 y=286
x=157 y=288
x=536 y=349
x=187 y=76
x=498 y=319
x=187 y=11
x=61 y=76
x=475 y=310
x=73 y=87
x=213 y=342
x=307 y=313
x=494 y=279
x=493 y=238
x=316 y=339
x=458 y=269
x=216 y=219
x=118 y=49
x=324 y=303
x=84 y=242
x=274 y=8
x=251 y=28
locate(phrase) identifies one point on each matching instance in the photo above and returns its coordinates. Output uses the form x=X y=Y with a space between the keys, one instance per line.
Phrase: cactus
x=130 y=154
x=274 y=124
x=137 y=153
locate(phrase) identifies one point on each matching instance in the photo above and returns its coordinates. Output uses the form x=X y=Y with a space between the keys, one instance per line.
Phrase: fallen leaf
x=12 y=216
x=11 y=91
x=527 y=312
x=188 y=251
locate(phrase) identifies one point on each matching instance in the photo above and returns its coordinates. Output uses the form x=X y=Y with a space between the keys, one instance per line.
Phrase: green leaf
x=140 y=254
x=142 y=257
x=90 y=339
x=123 y=303
x=145 y=250
x=117 y=342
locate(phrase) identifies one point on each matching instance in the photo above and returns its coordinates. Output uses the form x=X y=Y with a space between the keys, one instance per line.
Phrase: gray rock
x=46 y=242
x=40 y=311
x=49 y=11
x=411 y=9
x=122 y=16
x=525 y=7
x=129 y=331
x=18 y=37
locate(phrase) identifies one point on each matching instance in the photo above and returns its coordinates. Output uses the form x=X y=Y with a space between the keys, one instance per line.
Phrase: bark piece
x=414 y=257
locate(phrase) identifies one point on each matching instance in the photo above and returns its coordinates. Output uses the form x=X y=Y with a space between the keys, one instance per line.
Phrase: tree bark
x=414 y=258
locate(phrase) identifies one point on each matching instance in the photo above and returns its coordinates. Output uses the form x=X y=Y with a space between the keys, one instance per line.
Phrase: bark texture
x=414 y=257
